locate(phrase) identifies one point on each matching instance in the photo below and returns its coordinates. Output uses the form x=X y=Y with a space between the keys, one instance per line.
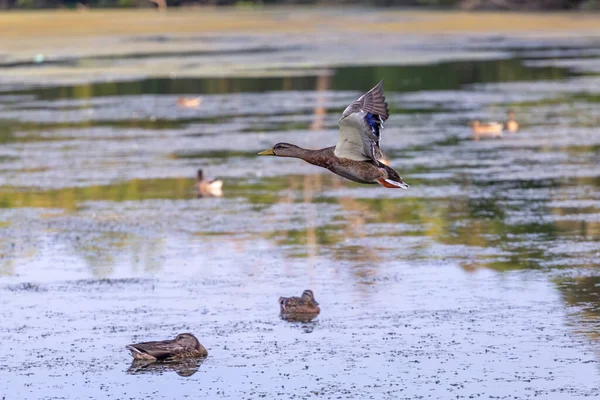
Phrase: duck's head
x=189 y=340
x=200 y=175
x=510 y=114
x=473 y=124
x=308 y=296
x=282 y=150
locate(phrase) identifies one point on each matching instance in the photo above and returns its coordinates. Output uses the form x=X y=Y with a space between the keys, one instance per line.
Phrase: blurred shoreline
x=65 y=47
x=50 y=24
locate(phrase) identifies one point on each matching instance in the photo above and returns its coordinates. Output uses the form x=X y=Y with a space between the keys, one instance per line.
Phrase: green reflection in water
x=582 y=294
x=354 y=232
x=71 y=198
x=12 y=131
x=442 y=76
x=480 y=223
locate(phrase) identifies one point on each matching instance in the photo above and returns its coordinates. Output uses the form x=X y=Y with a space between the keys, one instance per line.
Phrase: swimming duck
x=305 y=304
x=189 y=102
x=208 y=187
x=185 y=345
x=357 y=153
x=511 y=124
x=486 y=129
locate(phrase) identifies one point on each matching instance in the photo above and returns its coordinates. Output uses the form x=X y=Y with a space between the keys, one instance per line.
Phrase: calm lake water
x=480 y=281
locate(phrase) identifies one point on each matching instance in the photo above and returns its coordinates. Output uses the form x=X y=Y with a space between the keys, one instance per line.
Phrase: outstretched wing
x=371 y=102
x=361 y=125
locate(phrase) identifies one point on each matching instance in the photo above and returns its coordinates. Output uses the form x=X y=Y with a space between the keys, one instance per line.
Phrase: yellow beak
x=268 y=152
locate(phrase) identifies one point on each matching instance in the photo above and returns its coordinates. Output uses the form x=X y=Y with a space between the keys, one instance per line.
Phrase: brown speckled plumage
x=305 y=304
x=367 y=172
x=185 y=345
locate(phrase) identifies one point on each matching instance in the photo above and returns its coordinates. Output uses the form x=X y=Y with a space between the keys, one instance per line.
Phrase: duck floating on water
x=494 y=129
x=189 y=102
x=357 y=153
x=185 y=345
x=208 y=187
x=305 y=305
x=486 y=129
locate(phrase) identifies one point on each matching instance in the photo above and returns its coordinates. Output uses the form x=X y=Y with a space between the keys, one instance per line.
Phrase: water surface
x=480 y=280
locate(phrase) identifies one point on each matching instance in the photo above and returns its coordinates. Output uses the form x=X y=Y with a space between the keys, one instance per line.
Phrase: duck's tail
x=215 y=185
x=393 y=184
x=393 y=180
x=137 y=354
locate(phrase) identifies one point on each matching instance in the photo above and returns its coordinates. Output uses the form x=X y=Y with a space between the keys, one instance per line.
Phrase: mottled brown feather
x=357 y=171
x=305 y=304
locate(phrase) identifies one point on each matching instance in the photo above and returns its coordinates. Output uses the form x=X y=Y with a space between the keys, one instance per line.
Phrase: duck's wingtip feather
x=133 y=349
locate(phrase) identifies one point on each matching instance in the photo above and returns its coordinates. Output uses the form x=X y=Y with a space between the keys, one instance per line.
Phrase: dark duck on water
x=185 y=345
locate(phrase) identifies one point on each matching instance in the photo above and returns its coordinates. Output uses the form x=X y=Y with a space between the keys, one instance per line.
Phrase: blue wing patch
x=374 y=122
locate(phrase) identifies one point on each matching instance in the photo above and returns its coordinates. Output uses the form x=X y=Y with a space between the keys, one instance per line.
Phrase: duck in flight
x=357 y=154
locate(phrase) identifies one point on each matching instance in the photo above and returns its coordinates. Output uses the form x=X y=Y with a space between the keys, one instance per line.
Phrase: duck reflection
x=185 y=368
x=298 y=317
x=305 y=322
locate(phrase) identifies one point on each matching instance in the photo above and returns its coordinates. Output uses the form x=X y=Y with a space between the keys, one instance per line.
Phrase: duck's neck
x=316 y=157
